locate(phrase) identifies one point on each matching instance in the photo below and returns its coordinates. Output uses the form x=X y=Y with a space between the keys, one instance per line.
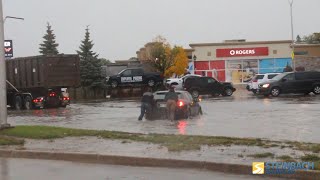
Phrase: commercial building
x=307 y=57
x=238 y=61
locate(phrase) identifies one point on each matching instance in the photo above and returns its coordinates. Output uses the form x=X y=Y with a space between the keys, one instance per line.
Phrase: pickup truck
x=134 y=76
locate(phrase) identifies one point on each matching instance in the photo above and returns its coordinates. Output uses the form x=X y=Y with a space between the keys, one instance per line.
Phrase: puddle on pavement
x=285 y=118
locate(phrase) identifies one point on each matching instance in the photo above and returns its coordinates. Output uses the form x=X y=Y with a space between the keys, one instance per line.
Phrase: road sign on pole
x=292 y=55
x=8 y=49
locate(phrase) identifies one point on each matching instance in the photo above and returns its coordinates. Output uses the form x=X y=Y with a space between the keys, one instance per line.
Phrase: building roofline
x=306 y=45
x=240 y=43
x=189 y=50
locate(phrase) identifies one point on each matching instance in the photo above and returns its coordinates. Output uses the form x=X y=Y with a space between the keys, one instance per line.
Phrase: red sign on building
x=239 y=52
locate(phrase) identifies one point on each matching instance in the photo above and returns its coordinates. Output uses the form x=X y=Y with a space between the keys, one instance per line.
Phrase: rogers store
x=239 y=61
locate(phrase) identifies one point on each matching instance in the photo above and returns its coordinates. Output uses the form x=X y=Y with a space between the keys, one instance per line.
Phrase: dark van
x=292 y=82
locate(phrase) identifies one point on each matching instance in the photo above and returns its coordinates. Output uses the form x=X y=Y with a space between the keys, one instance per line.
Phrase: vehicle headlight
x=265 y=85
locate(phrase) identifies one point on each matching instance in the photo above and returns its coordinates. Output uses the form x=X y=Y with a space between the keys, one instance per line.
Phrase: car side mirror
x=283 y=80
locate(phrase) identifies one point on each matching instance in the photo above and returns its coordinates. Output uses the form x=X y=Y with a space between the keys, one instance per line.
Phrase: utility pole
x=292 y=38
x=3 y=87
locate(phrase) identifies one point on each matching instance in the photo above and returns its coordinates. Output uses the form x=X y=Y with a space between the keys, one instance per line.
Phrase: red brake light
x=38 y=100
x=255 y=80
x=180 y=103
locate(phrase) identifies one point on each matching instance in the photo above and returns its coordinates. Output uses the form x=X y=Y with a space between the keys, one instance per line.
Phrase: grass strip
x=10 y=141
x=172 y=142
x=262 y=155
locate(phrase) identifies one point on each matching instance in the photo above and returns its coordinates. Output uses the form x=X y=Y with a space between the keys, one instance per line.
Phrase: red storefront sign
x=239 y=52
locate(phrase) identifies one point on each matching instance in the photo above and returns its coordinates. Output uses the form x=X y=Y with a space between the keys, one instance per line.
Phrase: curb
x=149 y=162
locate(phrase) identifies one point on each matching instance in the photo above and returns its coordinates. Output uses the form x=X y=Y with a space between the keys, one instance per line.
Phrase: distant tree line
x=313 y=38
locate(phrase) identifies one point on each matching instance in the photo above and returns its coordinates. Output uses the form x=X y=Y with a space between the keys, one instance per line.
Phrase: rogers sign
x=238 y=52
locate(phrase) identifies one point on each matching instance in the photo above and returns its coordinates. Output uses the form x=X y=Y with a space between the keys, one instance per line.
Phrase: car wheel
x=275 y=91
x=114 y=84
x=228 y=92
x=151 y=82
x=18 y=103
x=195 y=93
x=254 y=91
x=316 y=89
x=28 y=103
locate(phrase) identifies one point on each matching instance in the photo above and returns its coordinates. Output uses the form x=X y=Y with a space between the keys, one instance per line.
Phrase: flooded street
x=292 y=117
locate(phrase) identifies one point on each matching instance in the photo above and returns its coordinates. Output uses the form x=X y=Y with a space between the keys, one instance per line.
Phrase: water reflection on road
x=287 y=117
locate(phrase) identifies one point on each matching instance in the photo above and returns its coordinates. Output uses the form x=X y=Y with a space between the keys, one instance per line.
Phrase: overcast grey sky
x=120 y=27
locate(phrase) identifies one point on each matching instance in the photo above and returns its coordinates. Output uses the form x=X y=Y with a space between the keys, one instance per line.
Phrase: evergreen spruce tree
x=90 y=65
x=49 y=45
x=298 y=39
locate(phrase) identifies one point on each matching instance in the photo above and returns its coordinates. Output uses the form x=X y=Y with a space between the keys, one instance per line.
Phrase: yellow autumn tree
x=167 y=60
x=179 y=61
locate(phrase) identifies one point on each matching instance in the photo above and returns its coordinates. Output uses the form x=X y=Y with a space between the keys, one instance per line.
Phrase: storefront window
x=241 y=71
x=250 y=69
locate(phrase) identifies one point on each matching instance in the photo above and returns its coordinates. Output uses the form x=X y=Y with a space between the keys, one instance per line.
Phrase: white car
x=178 y=82
x=258 y=79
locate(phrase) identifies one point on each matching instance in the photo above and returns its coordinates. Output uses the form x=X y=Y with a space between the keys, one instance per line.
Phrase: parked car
x=186 y=106
x=178 y=82
x=134 y=76
x=292 y=82
x=208 y=85
x=258 y=79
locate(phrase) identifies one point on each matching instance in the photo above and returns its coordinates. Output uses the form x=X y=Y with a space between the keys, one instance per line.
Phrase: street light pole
x=12 y=17
x=3 y=90
x=292 y=38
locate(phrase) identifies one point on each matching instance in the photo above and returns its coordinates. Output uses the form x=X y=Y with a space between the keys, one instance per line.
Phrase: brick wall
x=309 y=63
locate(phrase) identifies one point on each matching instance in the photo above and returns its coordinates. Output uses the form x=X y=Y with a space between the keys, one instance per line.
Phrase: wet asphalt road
x=290 y=117
x=25 y=169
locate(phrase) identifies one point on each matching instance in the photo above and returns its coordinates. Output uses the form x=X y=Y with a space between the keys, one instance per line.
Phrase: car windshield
x=161 y=95
x=280 y=76
x=122 y=71
x=256 y=77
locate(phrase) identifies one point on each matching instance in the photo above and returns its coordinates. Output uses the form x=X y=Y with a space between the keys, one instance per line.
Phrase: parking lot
x=290 y=117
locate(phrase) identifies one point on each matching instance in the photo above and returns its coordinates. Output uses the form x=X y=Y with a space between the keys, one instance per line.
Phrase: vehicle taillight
x=52 y=94
x=255 y=80
x=180 y=103
x=38 y=100
x=66 y=99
